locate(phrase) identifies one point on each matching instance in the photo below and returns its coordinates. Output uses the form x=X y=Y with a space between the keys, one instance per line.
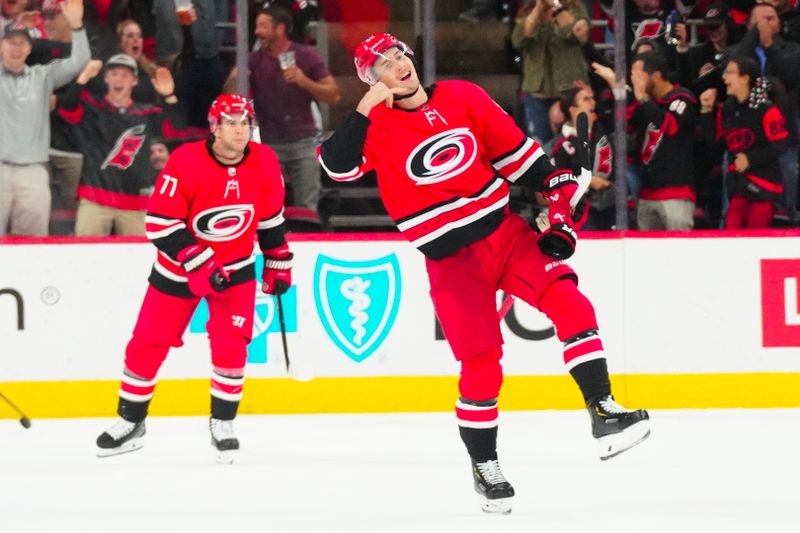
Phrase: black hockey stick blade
x=283 y=330
x=24 y=420
x=582 y=125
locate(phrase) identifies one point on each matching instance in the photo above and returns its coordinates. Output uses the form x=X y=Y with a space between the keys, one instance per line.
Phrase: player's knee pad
x=481 y=375
x=228 y=351
x=143 y=358
x=568 y=308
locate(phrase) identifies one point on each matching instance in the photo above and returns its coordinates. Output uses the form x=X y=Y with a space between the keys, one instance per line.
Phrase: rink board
x=706 y=321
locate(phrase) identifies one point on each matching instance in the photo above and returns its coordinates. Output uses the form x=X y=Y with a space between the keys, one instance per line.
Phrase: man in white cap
x=114 y=135
x=25 y=125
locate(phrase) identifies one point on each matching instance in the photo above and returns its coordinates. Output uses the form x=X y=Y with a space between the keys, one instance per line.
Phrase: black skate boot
x=122 y=437
x=617 y=429
x=223 y=439
x=492 y=487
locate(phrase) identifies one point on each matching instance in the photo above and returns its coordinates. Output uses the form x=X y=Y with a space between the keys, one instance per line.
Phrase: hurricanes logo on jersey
x=442 y=156
x=739 y=139
x=125 y=149
x=602 y=157
x=224 y=223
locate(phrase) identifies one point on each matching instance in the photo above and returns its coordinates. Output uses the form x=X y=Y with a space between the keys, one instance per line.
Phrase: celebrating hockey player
x=210 y=202
x=444 y=156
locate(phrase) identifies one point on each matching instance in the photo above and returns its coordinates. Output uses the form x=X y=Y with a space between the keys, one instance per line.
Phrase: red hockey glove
x=558 y=241
x=205 y=274
x=277 y=276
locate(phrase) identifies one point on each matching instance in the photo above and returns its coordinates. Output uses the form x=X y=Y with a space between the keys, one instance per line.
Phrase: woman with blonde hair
x=130 y=41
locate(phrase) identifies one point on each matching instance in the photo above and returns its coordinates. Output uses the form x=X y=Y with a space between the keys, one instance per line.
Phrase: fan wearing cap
x=210 y=203
x=25 y=93
x=113 y=133
x=444 y=157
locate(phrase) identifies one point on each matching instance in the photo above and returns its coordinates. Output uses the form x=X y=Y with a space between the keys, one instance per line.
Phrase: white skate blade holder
x=613 y=445
x=497 y=506
x=130 y=446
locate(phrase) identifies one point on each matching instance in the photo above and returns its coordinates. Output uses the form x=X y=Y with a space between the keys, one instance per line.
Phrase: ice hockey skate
x=122 y=437
x=224 y=440
x=617 y=429
x=491 y=485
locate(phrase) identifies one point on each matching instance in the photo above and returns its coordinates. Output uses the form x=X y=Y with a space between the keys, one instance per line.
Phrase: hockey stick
x=585 y=178
x=283 y=331
x=25 y=421
x=505 y=306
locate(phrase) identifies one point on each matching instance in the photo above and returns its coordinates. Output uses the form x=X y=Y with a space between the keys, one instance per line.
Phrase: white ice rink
x=701 y=471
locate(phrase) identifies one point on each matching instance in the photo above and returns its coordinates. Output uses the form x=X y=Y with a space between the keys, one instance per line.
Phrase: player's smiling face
x=395 y=69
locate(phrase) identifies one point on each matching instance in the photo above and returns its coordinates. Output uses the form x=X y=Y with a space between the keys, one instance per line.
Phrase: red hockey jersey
x=198 y=199
x=443 y=168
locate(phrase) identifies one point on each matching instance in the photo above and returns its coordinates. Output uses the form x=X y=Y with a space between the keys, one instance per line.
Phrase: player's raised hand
x=378 y=93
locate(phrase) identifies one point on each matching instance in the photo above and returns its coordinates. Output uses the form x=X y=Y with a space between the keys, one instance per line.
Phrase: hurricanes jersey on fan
x=199 y=200
x=443 y=169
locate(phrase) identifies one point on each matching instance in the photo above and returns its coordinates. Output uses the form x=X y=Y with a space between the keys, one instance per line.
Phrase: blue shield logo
x=357 y=301
x=265 y=319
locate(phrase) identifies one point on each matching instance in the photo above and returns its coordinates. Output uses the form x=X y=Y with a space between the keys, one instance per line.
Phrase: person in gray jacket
x=25 y=125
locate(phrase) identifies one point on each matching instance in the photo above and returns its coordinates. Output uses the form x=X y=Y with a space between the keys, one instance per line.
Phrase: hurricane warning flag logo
x=357 y=301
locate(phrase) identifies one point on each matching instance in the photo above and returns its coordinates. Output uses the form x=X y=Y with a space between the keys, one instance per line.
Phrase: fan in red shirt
x=211 y=202
x=444 y=157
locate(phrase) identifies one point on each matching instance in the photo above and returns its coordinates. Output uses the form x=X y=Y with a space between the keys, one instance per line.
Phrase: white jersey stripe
x=460 y=223
x=526 y=165
x=516 y=156
x=433 y=213
x=152 y=235
x=343 y=176
x=169 y=275
x=273 y=222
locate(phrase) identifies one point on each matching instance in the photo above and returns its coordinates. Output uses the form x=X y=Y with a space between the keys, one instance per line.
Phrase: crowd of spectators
x=94 y=94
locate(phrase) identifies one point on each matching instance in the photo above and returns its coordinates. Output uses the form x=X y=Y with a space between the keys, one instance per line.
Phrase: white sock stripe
x=225 y=380
x=131 y=397
x=473 y=407
x=591 y=356
x=230 y=372
x=581 y=341
x=226 y=396
x=138 y=382
x=477 y=425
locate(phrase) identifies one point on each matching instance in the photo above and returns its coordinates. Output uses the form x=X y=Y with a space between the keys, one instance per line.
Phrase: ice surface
x=701 y=471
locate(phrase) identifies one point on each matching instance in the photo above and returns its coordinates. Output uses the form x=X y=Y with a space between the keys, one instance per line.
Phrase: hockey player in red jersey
x=444 y=156
x=210 y=203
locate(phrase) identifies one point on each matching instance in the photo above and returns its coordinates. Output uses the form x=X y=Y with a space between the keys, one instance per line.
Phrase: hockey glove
x=277 y=276
x=558 y=241
x=204 y=273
